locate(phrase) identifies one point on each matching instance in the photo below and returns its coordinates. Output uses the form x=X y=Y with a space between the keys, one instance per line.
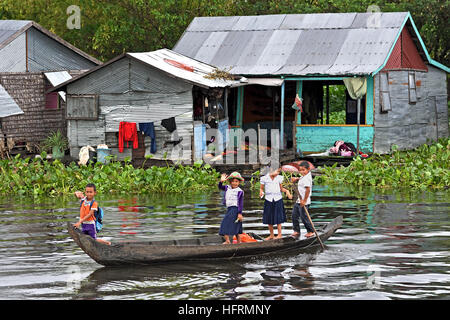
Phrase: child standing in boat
x=88 y=206
x=304 y=200
x=274 y=213
x=234 y=200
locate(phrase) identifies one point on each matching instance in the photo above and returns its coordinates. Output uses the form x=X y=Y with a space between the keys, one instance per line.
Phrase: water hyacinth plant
x=38 y=177
x=424 y=167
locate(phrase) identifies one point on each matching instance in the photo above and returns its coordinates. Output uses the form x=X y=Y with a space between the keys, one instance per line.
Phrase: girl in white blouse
x=274 y=213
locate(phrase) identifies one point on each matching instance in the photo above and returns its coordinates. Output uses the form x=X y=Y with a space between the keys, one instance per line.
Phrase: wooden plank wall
x=28 y=90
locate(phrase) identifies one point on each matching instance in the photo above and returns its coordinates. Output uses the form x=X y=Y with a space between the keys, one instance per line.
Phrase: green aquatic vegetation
x=38 y=177
x=424 y=167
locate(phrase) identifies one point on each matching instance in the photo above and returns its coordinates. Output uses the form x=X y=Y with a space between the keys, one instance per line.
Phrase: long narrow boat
x=195 y=249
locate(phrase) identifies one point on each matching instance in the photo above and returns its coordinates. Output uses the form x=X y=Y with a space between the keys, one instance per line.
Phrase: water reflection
x=404 y=236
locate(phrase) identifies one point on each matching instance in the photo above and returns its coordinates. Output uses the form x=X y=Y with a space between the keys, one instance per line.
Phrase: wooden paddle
x=309 y=217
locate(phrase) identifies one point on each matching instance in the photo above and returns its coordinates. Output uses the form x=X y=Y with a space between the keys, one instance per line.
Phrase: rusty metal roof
x=294 y=44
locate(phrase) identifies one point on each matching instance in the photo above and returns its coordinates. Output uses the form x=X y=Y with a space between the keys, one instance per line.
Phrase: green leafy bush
x=426 y=166
x=38 y=177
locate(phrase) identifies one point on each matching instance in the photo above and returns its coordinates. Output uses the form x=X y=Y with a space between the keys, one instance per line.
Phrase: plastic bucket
x=102 y=154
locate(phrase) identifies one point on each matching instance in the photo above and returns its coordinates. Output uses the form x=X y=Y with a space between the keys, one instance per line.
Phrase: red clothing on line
x=127 y=132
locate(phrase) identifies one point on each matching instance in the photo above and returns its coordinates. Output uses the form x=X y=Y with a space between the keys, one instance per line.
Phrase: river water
x=392 y=245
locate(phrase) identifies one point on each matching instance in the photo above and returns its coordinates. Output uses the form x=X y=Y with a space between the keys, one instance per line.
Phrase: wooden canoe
x=195 y=249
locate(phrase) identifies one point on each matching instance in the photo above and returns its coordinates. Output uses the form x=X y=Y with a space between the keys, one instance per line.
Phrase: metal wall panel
x=13 y=55
x=409 y=125
x=46 y=54
x=157 y=108
x=109 y=79
x=150 y=79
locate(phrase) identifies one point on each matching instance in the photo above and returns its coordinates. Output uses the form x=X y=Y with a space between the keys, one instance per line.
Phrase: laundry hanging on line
x=169 y=124
x=148 y=129
x=128 y=133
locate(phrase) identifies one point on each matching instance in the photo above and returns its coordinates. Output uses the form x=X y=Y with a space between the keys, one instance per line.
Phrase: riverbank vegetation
x=425 y=167
x=38 y=177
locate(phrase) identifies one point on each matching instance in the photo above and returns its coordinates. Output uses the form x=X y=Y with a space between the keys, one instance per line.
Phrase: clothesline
x=128 y=132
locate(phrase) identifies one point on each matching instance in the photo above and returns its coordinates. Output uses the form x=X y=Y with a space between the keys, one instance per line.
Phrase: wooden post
x=328 y=104
x=282 y=117
x=259 y=144
x=358 y=115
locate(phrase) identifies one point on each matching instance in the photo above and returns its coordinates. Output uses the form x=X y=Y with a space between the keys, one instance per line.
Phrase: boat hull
x=198 y=249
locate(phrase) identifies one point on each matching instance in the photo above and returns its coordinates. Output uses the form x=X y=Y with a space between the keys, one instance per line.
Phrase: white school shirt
x=231 y=197
x=305 y=181
x=272 y=187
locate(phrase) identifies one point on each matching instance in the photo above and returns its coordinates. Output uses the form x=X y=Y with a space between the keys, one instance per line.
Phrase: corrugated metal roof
x=56 y=78
x=8 y=107
x=159 y=59
x=10 y=29
x=293 y=44
x=166 y=61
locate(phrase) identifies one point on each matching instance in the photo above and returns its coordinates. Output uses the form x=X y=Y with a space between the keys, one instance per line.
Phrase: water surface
x=392 y=245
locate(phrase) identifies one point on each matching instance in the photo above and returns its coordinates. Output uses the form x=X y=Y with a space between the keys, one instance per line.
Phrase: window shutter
x=385 y=99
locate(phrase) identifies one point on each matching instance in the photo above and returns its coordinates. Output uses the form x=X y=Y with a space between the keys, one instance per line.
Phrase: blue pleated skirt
x=228 y=225
x=274 y=212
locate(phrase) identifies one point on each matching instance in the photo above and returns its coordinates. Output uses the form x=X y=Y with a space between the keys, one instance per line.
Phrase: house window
x=412 y=87
x=81 y=107
x=385 y=99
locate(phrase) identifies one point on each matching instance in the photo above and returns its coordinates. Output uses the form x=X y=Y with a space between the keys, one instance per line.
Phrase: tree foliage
x=111 y=27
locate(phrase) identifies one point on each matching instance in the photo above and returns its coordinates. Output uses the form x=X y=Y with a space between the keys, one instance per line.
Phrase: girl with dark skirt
x=234 y=200
x=274 y=213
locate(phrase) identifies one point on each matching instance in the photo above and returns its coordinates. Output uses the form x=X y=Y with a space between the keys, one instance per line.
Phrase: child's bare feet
x=269 y=238
x=226 y=242
x=279 y=236
x=309 y=234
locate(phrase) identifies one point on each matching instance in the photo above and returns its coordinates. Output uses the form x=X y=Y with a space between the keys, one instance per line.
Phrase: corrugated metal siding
x=109 y=79
x=143 y=108
x=46 y=54
x=334 y=43
x=13 y=55
x=149 y=79
x=154 y=96
x=410 y=125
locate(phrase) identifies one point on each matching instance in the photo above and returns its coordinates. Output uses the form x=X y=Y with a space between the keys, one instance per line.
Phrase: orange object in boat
x=244 y=238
